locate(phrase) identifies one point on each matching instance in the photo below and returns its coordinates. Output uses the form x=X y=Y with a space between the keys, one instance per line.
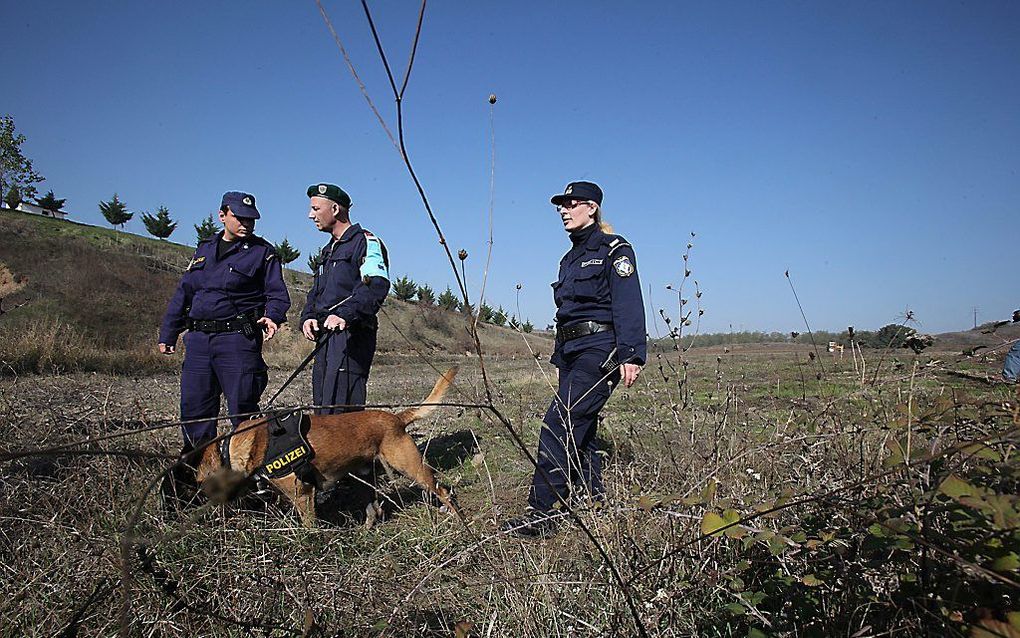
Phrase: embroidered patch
x=195 y=262
x=322 y=189
x=247 y=201
x=623 y=266
x=592 y=262
x=570 y=190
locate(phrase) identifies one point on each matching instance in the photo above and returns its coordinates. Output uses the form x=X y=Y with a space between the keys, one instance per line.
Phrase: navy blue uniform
x=598 y=282
x=351 y=282
x=246 y=282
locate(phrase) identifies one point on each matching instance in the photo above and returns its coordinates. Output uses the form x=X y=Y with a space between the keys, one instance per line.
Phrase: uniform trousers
x=1011 y=366
x=226 y=363
x=567 y=452
x=340 y=372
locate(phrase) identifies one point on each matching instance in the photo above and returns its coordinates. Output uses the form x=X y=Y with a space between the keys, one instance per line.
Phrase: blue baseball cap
x=241 y=204
x=583 y=191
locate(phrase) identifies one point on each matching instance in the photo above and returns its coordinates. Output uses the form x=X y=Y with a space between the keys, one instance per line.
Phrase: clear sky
x=871 y=148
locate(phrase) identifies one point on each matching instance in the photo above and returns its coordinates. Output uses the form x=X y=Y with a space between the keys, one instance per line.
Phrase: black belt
x=581 y=329
x=242 y=323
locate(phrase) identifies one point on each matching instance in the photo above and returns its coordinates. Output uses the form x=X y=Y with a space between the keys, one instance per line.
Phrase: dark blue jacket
x=248 y=278
x=598 y=281
x=355 y=266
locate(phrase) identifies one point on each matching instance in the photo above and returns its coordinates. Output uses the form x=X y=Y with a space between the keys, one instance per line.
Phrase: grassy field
x=751 y=493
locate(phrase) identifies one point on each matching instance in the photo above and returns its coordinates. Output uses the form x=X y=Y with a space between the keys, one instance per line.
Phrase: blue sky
x=871 y=148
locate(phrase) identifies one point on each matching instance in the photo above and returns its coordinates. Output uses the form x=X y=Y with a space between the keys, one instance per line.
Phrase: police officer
x=231 y=297
x=351 y=282
x=600 y=341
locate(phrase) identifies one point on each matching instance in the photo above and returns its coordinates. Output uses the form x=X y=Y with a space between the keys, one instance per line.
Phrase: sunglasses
x=570 y=205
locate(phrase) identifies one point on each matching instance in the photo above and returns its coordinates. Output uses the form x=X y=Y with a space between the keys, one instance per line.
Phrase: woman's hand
x=268 y=326
x=629 y=373
x=309 y=328
x=334 y=322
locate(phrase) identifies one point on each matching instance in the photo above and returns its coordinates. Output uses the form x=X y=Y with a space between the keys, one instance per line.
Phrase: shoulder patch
x=195 y=263
x=623 y=266
x=614 y=242
x=270 y=256
x=375 y=263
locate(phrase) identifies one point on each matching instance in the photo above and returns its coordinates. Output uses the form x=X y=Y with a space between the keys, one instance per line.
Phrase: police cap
x=331 y=192
x=583 y=191
x=241 y=204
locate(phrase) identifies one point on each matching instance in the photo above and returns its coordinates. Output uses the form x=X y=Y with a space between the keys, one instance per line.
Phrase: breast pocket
x=589 y=286
x=243 y=276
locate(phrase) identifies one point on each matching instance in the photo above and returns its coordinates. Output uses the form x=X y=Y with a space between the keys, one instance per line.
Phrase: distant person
x=1011 y=366
x=351 y=281
x=600 y=341
x=231 y=298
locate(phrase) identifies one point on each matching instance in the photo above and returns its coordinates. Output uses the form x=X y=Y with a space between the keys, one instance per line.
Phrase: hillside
x=94 y=298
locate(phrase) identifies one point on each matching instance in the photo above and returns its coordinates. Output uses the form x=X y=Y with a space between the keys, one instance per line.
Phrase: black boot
x=534 y=524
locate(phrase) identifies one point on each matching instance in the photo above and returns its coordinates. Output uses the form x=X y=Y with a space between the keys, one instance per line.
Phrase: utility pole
x=975 y=317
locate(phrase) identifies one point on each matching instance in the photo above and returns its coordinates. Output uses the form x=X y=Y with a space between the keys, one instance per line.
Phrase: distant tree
x=12 y=197
x=404 y=288
x=499 y=317
x=50 y=202
x=206 y=229
x=447 y=300
x=115 y=211
x=314 y=261
x=527 y=327
x=16 y=170
x=467 y=309
x=892 y=336
x=286 y=252
x=485 y=313
x=426 y=296
x=159 y=225
x=513 y=322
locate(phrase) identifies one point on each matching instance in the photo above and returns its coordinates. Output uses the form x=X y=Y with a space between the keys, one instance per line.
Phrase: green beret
x=330 y=191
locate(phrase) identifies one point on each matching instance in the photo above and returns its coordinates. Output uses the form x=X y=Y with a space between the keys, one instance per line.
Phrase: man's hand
x=167 y=349
x=629 y=373
x=269 y=327
x=309 y=328
x=334 y=322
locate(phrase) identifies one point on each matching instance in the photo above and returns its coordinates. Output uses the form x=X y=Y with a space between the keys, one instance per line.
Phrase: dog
x=342 y=443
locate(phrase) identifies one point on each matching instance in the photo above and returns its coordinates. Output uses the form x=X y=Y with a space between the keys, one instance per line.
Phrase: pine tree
x=404 y=289
x=513 y=323
x=499 y=317
x=485 y=313
x=50 y=202
x=527 y=327
x=467 y=309
x=314 y=261
x=206 y=229
x=426 y=296
x=448 y=300
x=12 y=197
x=115 y=212
x=159 y=225
x=286 y=252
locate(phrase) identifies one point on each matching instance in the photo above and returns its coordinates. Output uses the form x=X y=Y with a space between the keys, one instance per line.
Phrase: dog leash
x=320 y=342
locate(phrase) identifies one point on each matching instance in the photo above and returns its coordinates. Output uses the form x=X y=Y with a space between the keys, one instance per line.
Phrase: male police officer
x=230 y=298
x=351 y=282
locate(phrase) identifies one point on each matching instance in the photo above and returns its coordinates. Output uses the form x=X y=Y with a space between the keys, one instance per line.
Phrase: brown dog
x=342 y=443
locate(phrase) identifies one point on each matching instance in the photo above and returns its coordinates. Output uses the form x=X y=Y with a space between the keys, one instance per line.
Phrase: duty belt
x=242 y=323
x=581 y=329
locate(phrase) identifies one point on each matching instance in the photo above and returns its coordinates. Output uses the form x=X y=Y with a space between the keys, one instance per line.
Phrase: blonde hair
x=604 y=226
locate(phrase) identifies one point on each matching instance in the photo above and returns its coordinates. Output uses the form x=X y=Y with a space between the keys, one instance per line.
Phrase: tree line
x=893 y=335
x=406 y=289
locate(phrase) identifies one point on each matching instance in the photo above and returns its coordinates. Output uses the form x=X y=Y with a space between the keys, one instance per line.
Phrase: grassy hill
x=94 y=298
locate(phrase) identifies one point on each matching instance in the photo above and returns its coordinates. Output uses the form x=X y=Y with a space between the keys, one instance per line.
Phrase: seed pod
x=492 y=98
x=462 y=254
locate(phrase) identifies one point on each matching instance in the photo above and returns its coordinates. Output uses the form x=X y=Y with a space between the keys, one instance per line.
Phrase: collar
x=590 y=237
x=349 y=233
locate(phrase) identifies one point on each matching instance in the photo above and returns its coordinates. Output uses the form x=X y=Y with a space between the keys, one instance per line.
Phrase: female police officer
x=600 y=340
x=230 y=298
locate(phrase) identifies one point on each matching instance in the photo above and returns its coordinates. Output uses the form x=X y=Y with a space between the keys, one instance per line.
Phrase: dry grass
x=740 y=436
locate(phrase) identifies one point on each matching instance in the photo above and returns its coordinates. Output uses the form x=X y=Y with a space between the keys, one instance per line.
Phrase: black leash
x=321 y=341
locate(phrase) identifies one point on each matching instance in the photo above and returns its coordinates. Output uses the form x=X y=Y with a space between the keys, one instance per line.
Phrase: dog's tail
x=438 y=392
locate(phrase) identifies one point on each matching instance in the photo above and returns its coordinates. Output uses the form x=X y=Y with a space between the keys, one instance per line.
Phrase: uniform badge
x=247 y=201
x=194 y=262
x=322 y=189
x=623 y=267
x=570 y=190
